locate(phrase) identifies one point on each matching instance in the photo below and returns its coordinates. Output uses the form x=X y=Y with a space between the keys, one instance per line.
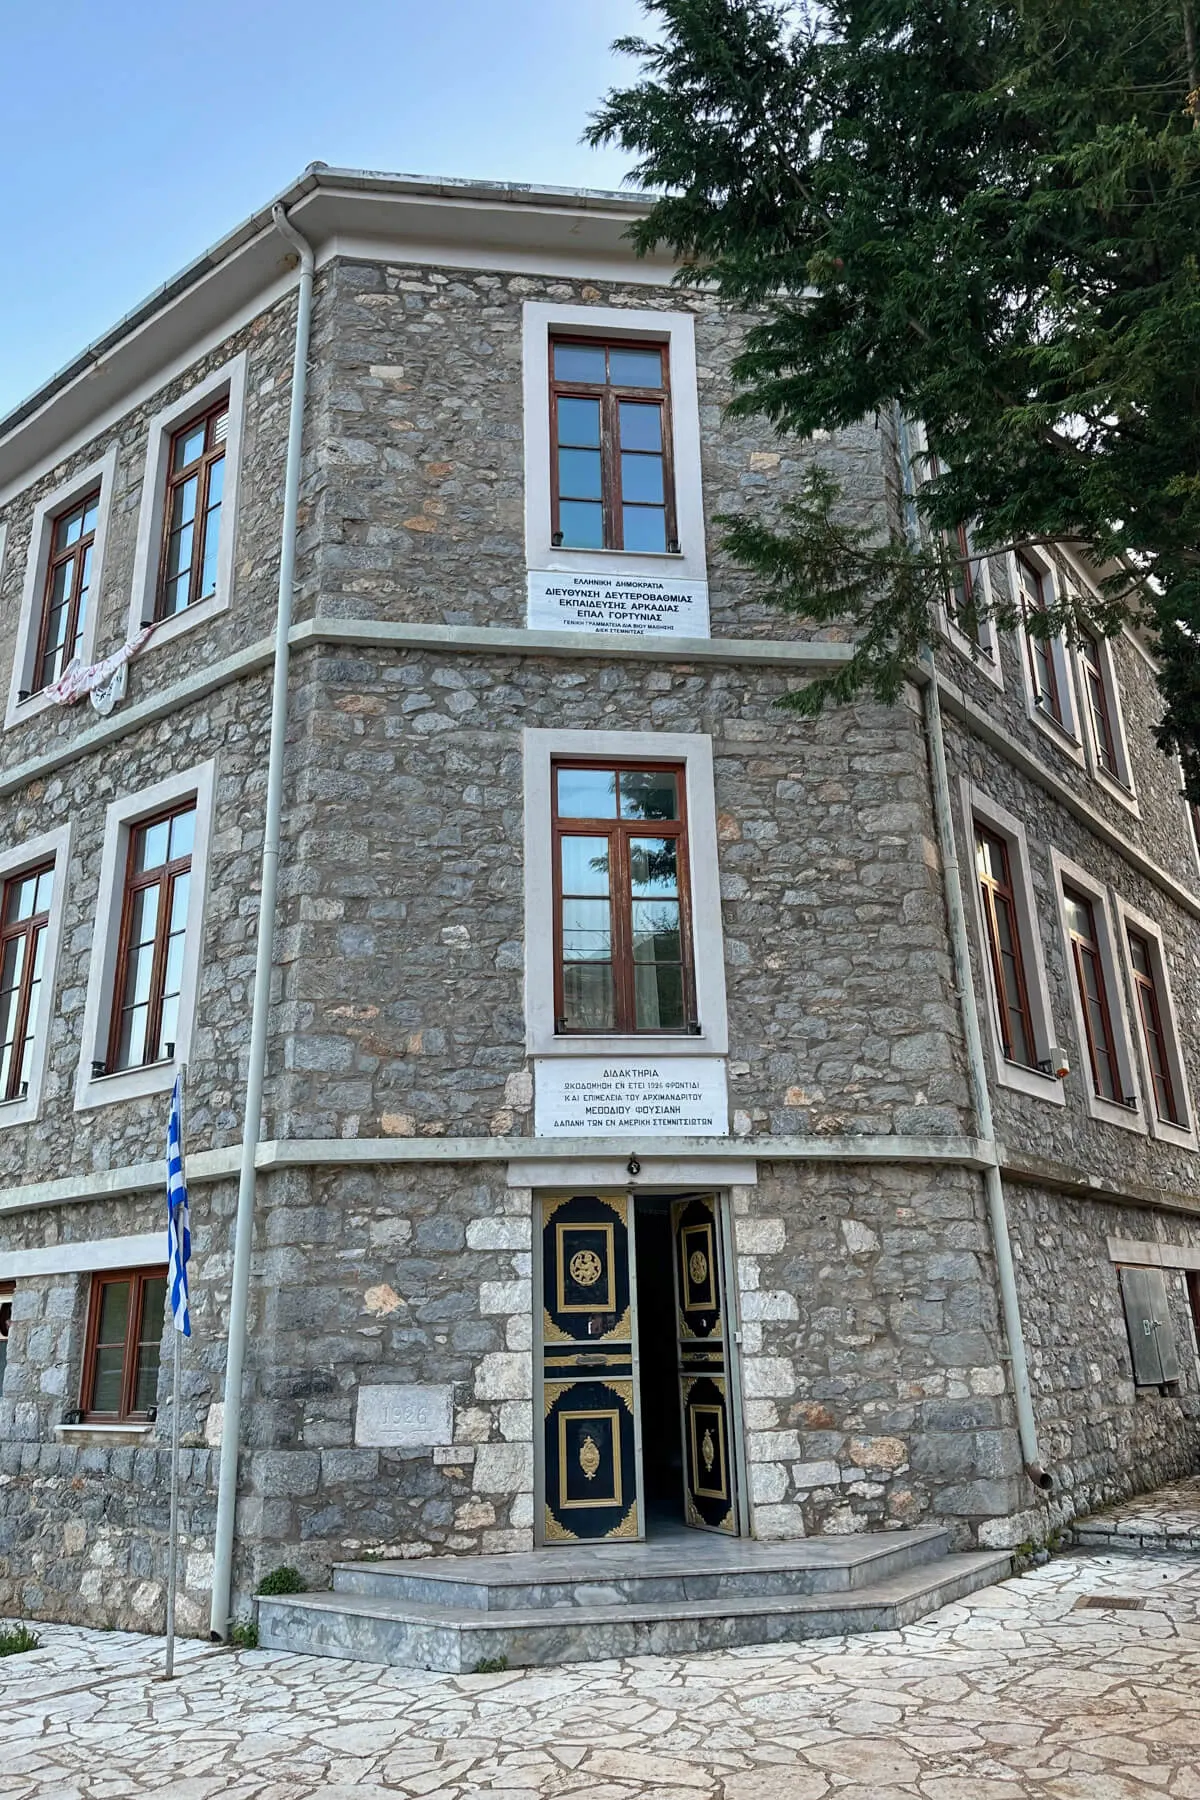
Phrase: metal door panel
x=709 y=1496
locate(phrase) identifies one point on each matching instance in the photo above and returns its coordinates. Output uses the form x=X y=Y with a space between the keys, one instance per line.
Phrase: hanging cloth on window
x=104 y=681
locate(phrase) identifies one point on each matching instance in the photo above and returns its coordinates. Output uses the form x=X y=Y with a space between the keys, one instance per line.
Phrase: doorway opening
x=658 y=1378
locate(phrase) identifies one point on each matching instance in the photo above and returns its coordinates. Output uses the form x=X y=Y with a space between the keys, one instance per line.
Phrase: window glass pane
x=1139 y=955
x=183 y=503
x=183 y=834
x=587 y=936
x=584 y=865
x=22 y=898
x=649 y=794
x=179 y=904
x=587 y=793
x=658 y=998
x=652 y=866
x=656 y=931
x=579 y=362
x=137 y=976
x=71 y=529
x=645 y=528
x=45 y=891
x=579 y=422
x=145 y=1392
x=588 y=997
x=188 y=446
x=579 y=474
x=114 y=1312
x=168 y=1030
x=179 y=552
x=152 y=845
x=208 y=566
x=642 y=478
x=106 y=1387
x=581 y=523
x=216 y=483
x=175 y=595
x=173 y=970
x=90 y=514
x=154 y=1304
x=131 y=1040
x=641 y=425
x=63 y=583
x=629 y=367
x=1079 y=916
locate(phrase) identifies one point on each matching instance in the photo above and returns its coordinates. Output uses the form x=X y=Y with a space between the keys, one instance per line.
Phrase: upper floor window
x=1014 y=1015
x=150 y=955
x=1154 y=1029
x=124 y=1335
x=623 y=938
x=65 y=598
x=1096 y=691
x=612 y=484
x=192 y=523
x=1043 y=665
x=1093 y=996
x=24 y=921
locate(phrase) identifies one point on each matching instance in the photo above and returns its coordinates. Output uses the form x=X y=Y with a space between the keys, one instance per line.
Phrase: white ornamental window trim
x=1068 y=874
x=23 y=702
x=694 y=751
x=55 y=847
x=121 y=817
x=646 y=324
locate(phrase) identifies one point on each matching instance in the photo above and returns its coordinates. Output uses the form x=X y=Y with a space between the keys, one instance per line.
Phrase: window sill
x=128 y=1084
x=1061 y=735
x=625 y=1045
x=1117 y=789
x=980 y=656
x=1129 y=1118
x=1184 y=1136
x=132 y=1428
x=168 y=629
x=1030 y=1082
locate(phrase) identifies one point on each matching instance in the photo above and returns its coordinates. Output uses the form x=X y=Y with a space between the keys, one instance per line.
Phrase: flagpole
x=173 y=1530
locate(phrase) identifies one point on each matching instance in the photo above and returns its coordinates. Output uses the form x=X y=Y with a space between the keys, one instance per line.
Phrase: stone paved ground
x=1011 y=1695
x=1167 y=1519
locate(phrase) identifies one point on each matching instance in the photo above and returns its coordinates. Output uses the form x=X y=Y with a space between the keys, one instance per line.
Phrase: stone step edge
x=784 y=1557
x=927 y=1578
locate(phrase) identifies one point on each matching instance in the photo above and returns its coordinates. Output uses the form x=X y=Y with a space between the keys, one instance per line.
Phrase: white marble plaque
x=637 y=605
x=670 y=1096
x=405 y=1418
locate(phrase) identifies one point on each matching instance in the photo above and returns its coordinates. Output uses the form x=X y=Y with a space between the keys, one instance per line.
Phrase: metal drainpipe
x=260 y=1005
x=977 y=1068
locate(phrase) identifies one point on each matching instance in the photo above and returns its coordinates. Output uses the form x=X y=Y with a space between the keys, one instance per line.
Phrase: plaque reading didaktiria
x=680 y=1096
x=636 y=605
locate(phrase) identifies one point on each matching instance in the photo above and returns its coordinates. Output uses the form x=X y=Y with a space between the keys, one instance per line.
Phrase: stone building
x=603 y=989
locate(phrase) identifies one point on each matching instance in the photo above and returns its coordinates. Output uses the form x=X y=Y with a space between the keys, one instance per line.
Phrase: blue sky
x=136 y=133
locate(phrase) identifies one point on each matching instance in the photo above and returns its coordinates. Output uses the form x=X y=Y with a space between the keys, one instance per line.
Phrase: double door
x=595 y=1372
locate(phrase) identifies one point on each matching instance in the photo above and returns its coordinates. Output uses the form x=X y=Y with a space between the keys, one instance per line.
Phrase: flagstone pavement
x=1014 y=1694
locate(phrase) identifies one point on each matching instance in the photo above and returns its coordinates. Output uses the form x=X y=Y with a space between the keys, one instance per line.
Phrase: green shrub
x=283 y=1580
x=14 y=1639
x=491 y=1665
x=243 y=1635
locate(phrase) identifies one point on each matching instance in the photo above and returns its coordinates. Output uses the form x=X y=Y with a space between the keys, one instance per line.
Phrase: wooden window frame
x=609 y=396
x=992 y=893
x=1082 y=947
x=29 y=929
x=1150 y=1017
x=1039 y=651
x=1095 y=687
x=74 y=553
x=134 y=1337
x=618 y=831
x=164 y=875
x=201 y=467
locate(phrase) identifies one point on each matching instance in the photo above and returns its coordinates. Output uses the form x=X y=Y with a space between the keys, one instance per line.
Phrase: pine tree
x=985 y=217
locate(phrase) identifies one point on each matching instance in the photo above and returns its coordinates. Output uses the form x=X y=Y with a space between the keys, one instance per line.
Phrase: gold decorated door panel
x=709 y=1463
x=591 y=1451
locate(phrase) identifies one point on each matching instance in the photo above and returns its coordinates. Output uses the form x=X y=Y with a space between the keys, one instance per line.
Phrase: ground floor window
x=125 y=1327
x=6 y=1308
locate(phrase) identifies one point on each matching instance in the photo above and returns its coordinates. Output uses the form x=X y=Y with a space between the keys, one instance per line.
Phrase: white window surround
x=694 y=750
x=1067 y=736
x=1130 y=1118
x=978 y=807
x=99 y=474
x=89 y=1256
x=121 y=816
x=1184 y=1135
x=52 y=846
x=231 y=380
x=1120 y=787
x=540 y=318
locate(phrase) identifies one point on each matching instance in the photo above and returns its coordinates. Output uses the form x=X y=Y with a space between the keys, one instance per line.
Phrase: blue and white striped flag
x=179 y=1237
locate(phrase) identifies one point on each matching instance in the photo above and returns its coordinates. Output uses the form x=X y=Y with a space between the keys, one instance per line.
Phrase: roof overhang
x=479 y=223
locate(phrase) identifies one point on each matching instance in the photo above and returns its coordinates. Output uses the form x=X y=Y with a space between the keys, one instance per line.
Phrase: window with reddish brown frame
x=960 y=593
x=149 y=972
x=192 y=519
x=623 y=941
x=121 y=1356
x=24 y=922
x=611 y=478
x=66 y=594
x=1193 y=1293
x=1154 y=1035
x=1014 y=1016
x=6 y=1310
x=1096 y=690
x=1093 y=997
x=1039 y=650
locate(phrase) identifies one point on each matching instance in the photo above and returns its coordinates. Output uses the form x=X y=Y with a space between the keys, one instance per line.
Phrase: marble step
x=413 y=1634
x=700 y=1567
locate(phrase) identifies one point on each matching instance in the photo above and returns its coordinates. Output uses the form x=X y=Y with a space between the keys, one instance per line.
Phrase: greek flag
x=179 y=1238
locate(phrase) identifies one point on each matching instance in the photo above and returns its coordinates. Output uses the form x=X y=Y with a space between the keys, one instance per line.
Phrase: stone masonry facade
x=394 y=1241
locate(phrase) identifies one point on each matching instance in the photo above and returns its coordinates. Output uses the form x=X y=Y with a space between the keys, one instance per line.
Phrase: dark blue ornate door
x=709 y=1493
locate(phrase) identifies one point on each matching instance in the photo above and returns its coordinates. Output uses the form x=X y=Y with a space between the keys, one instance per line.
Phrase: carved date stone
x=403 y=1417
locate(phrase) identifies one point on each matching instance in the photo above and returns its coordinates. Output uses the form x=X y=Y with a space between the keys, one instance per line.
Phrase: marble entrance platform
x=588 y=1602
x=1168 y=1518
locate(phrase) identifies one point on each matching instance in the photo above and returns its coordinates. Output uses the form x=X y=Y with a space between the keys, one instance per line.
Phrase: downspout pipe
x=981 y=1099
x=261 y=1000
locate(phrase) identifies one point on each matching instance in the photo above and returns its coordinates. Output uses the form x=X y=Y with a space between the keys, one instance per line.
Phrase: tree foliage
x=984 y=216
